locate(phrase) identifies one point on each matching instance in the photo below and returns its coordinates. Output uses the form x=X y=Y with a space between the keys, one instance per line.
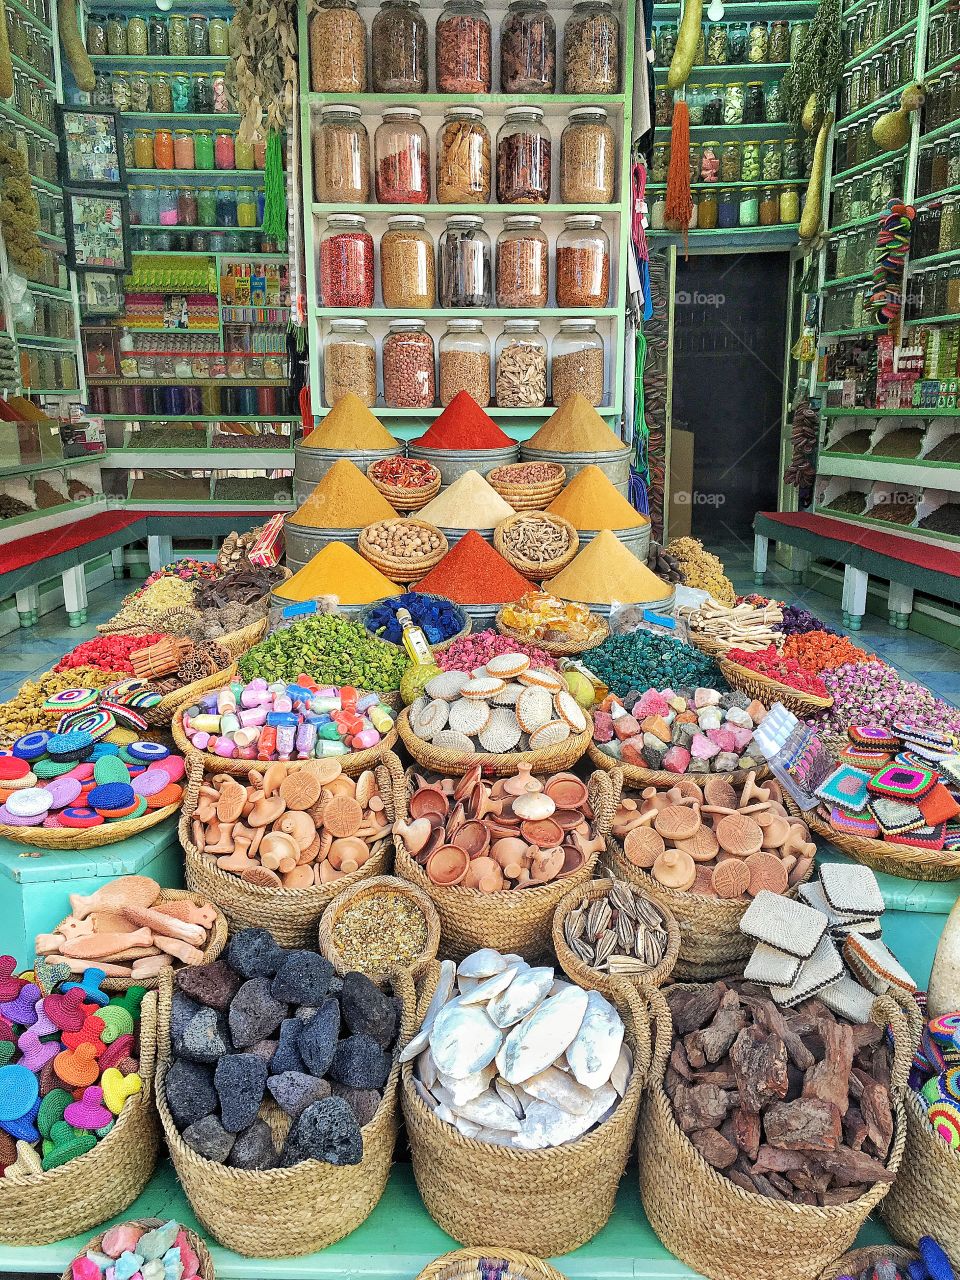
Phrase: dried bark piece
x=828 y=1079
x=807 y=1124
x=778 y=1160
x=877 y=1115
x=700 y=1107
x=678 y=1061
x=855 y=1166
x=714 y=1148
x=729 y=1020
x=760 y=1063
x=746 y=1128
x=841 y=1195
x=771 y=1019
x=766 y=1188
x=742 y=1180
x=854 y=1127
x=810 y=1178
x=692 y=1010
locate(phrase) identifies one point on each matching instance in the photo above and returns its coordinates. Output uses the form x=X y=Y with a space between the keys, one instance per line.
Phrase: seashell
x=544 y=679
x=620 y=1076
x=482 y=964
x=463 y=1040
x=535 y=806
x=469 y=717
x=443 y=992
x=449 y=740
x=595 y=1048
x=431 y=719
x=538 y=1040
x=545 y=1125
x=466 y=1089
x=491 y=986
x=534 y=709
x=506 y=666
x=447 y=685
x=521 y=997
x=509 y=1095
x=501 y=733
x=599 y=916
x=549 y=734
x=561 y=1090
x=507 y=696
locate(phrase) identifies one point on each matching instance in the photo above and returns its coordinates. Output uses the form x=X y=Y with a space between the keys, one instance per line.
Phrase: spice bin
x=407 y=263
x=464 y=365
x=463 y=44
x=399 y=47
x=341 y=156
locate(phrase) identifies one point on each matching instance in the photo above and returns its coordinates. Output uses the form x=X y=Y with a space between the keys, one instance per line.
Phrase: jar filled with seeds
x=717 y=45
x=661 y=162
x=338 y=48
x=401 y=151
x=161 y=93
x=773 y=110
x=116 y=35
x=733 y=100
x=341 y=156
x=792 y=158
x=583 y=262
x=754 y=105
x=465 y=362
x=769 y=207
x=409 y=373
x=407 y=263
x=789 y=205
x=588 y=158
x=138 y=37
x=523 y=157
x=346 y=262
x=591 y=49
x=465 y=275
x=758 y=42
x=463 y=157
x=750 y=162
x=96 y=33
x=463 y=48
x=577 y=362
x=139 y=91
x=528 y=48
x=349 y=362
x=771 y=160
x=523 y=256
x=218 y=36
x=713 y=104
x=399 y=48
x=120 y=90
x=730 y=162
x=666 y=43
x=158 y=41
x=696 y=96
x=521 y=365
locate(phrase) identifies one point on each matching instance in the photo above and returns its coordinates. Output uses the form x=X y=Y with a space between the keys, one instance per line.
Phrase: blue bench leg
x=75 y=595
x=899 y=605
x=855 y=583
x=761 y=548
x=799 y=561
x=116 y=559
x=28 y=606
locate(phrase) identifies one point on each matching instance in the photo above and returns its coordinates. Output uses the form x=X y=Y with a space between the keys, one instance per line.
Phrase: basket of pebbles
x=405 y=549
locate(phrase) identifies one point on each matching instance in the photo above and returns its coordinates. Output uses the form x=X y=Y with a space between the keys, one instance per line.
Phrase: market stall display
x=181 y=1253
x=379 y=925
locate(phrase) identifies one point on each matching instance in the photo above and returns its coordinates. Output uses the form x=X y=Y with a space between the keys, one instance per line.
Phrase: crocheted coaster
x=32 y=745
x=124 y=715
x=854 y=824
x=147 y=751
x=867 y=928
x=950 y=770
x=875 y=964
x=894 y=815
x=849 y=999
x=852 y=889
x=71 y=700
x=790 y=926
x=847 y=787
x=70 y=746
x=945 y=1030
x=97 y=722
x=923 y=837
x=938 y=805
x=872 y=735
x=945 y=1118
x=902 y=783
x=822 y=970
x=924 y=737
x=771 y=966
x=911 y=760
x=864 y=758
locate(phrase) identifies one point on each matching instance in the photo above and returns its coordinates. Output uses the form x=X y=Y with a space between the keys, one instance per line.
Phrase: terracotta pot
x=566 y=791
x=543 y=832
x=473 y=838
x=447 y=864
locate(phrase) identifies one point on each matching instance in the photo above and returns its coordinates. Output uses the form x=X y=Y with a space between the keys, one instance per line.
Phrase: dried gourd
x=812 y=217
x=73 y=46
x=6 y=63
x=809 y=117
x=892 y=130
x=685 y=52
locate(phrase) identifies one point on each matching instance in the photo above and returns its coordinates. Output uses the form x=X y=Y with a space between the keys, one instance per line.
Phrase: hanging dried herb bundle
x=262 y=72
x=812 y=79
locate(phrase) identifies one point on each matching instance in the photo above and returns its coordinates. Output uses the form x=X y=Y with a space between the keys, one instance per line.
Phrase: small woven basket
x=637 y=778
x=461 y=613
x=370 y=889
x=858 y=1260
x=925 y=1199
x=599 y=631
x=536 y=570
x=556 y=759
x=405 y=499
x=585 y=974
x=476 y=1264
x=395 y=568
x=148 y=1224
x=768 y=691
x=529 y=497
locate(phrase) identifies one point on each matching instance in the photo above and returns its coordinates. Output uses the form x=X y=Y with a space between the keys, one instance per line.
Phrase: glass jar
x=181 y=93
x=341 y=156
x=789 y=205
x=202 y=93
x=521 y=365
x=409 y=368
x=244 y=153
x=399 y=48
x=737 y=37
x=577 y=362
x=728 y=214
x=206 y=206
x=183 y=149
x=588 y=158
x=798 y=34
x=663 y=106
x=666 y=43
x=758 y=42
x=161 y=94
x=167 y=204
x=940 y=166
x=96 y=33
x=523 y=258
x=769 y=207
x=953 y=164
x=346 y=262
x=120 y=90
x=733 y=99
x=465 y=362
x=158 y=44
x=221 y=93
x=203 y=155
x=792 y=158
x=402 y=157
x=465 y=274
x=142 y=149
x=771 y=160
x=138 y=40
x=102 y=95
x=226 y=206
x=224 y=151
x=407 y=263
x=749 y=214
x=716 y=45
x=139 y=91
x=116 y=35
x=591 y=48
x=708 y=209
x=247 y=207
x=661 y=162
x=710 y=162
x=695 y=99
x=178 y=35
x=349 y=362
x=583 y=262
x=163 y=155
x=198 y=37
x=338 y=48
x=523 y=157
x=218 y=37
x=778 y=45
x=773 y=112
x=150 y=206
x=463 y=48
x=730 y=162
x=463 y=157
x=713 y=104
x=754 y=105
x=528 y=48
x=750 y=163
x=187 y=206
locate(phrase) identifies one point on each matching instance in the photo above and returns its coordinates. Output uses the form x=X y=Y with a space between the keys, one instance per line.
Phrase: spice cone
x=575 y=427
x=473 y=573
x=338 y=571
x=344 y=499
x=350 y=425
x=590 y=501
x=464 y=425
x=469 y=503
x=605 y=572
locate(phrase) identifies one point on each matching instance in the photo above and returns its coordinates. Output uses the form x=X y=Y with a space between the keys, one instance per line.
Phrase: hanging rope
x=679 y=204
x=275 y=192
x=639 y=475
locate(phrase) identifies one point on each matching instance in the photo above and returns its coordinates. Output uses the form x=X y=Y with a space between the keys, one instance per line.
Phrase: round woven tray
x=462 y=1264
x=635 y=776
x=196 y=1244
x=536 y=570
x=858 y=1260
x=403 y=570
x=405 y=499
x=564 y=755
x=561 y=648
x=904 y=860
x=770 y=691
x=370 y=888
x=529 y=497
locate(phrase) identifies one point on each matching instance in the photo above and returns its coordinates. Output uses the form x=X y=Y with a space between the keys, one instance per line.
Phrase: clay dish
x=775 y=830
x=231 y=799
x=414 y=834
x=702 y=846
x=277 y=849
x=311 y=852
x=428 y=800
x=437 y=838
x=739 y=835
x=719 y=793
x=325 y=768
x=479 y=869
x=342 y=816
x=677 y=822
x=265 y=811
x=566 y=791
x=730 y=878
x=766 y=872
x=568 y=819
x=447 y=865
x=508 y=850
x=456 y=821
x=300 y=789
x=298 y=878
x=675 y=869
x=299 y=825
x=482 y=803
x=543 y=832
x=522 y=782
x=573 y=860
x=263 y=877
x=643 y=846
x=473 y=838
x=466 y=784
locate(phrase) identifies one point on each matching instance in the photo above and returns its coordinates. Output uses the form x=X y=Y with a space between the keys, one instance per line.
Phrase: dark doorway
x=731 y=317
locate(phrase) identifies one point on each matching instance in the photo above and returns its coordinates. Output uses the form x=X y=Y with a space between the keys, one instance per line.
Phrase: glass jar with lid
x=244 y=153
x=465 y=270
x=346 y=262
x=591 y=48
x=178 y=35
x=158 y=43
x=202 y=92
x=203 y=155
x=163 y=153
x=102 y=95
x=349 y=362
x=226 y=206
x=120 y=90
x=528 y=48
x=183 y=157
x=139 y=91
x=661 y=162
x=463 y=157
x=717 y=44
x=771 y=160
x=523 y=157
x=758 y=41
x=224 y=150
x=338 y=48
x=169 y=214
x=247 y=208
x=407 y=263
x=792 y=158
x=577 y=362
x=665 y=43
x=401 y=157
x=737 y=33
x=161 y=95
x=730 y=162
x=463 y=42
x=409 y=366
x=773 y=111
x=96 y=40
x=523 y=257
x=399 y=39
x=465 y=362
x=187 y=206
x=341 y=156
x=138 y=38
x=710 y=162
x=521 y=365
x=695 y=100
x=733 y=102
x=778 y=45
x=588 y=158
x=583 y=262
x=199 y=38
x=769 y=207
x=116 y=35
x=754 y=103
x=143 y=149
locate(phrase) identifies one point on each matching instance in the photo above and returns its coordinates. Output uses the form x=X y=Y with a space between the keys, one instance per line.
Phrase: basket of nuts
x=405 y=548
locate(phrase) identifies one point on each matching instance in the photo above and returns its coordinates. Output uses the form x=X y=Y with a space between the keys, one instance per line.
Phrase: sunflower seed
x=598 y=918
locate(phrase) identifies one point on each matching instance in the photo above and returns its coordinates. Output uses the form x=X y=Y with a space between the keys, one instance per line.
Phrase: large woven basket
x=393 y=567
x=217 y=940
x=912 y=863
x=472 y=1264
x=370 y=888
x=767 y=691
x=82 y=1193
x=291 y=915
x=857 y=1260
x=279 y=1213
x=551 y=1201
x=536 y=570
x=148 y=1224
x=587 y=976
x=517 y=921
x=600 y=629
x=529 y=497
x=405 y=499
x=76 y=839
x=160 y=715
x=925 y=1199
x=564 y=755
x=636 y=777
x=726 y=1233
x=711 y=944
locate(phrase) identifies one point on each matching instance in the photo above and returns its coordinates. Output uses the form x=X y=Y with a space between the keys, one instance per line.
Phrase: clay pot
x=456 y=821
x=543 y=832
x=327 y=873
x=348 y=853
x=503 y=827
x=427 y=801
x=568 y=819
x=414 y=834
x=573 y=860
x=546 y=865
x=447 y=865
x=482 y=803
x=473 y=838
x=467 y=783
x=508 y=850
x=522 y=782
x=482 y=870
x=566 y=790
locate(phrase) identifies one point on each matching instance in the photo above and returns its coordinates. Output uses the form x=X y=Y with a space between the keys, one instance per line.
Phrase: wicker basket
x=551 y=1200
x=585 y=974
x=76 y=839
x=711 y=944
x=726 y=1233
x=536 y=570
x=279 y=1213
x=162 y=714
x=237 y=643
x=444 y=644
x=768 y=691
x=196 y=1244
x=599 y=631
x=460 y=1265
x=217 y=940
x=516 y=921
x=529 y=497
x=79 y=1195
x=925 y=1199
x=907 y=861
x=563 y=755
x=393 y=567
x=369 y=888
x=405 y=499
x=637 y=778
x=858 y=1260
x=291 y=915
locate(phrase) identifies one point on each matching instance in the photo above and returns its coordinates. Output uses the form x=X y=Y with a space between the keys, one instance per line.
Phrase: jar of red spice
x=523 y=157
x=409 y=371
x=463 y=157
x=583 y=262
x=528 y=48
x=346 y=262
x=523 y=256
x=463 y=48
x=402 y=157
x=183 y=149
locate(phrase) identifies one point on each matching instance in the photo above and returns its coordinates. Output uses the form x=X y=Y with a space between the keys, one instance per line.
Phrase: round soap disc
x=32 y=745
x=12 y=767
x=96 y=722
x=79 y=816
x=79 y=699
x=111 y=795
x=150 y=782
x=148 y=751
x=76 y=745
x=12 y=820
x=63 y=791
x=32 y=802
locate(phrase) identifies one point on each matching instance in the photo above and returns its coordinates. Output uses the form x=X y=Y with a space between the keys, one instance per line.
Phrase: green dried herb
x=818 y=66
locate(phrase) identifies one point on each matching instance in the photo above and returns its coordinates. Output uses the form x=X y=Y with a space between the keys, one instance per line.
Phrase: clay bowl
x=447 y=865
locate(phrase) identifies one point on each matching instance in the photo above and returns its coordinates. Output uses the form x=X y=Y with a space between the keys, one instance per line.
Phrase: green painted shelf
x=46 y=185
x=464 y=313
x=186 y=382
x=842 y=280
x=936 y=195
x=913 y=471
x=864 y=331
x=869 y=106
x=168 y=62
x=943 y=539
x=49 y=289
x=194 y=417
x=735 y=186
x=760 y=130
x=934 y=319
x=215 y=175
x=728 y=68
x=541 y=413
x=425 y=100
x=734 y=239
x=445 y=210
x=212 y=118
x=51 y=464
x=865 y=165
x=941 y=66
x=25 y=122
x=837 y=411
x=43 y=340
x=940 y=132
x=933 y=259
x=31 y=70
x=865 y=221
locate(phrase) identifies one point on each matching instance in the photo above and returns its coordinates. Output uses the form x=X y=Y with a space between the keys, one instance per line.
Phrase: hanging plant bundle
x=19 y=214
x=262 y=73
x=813 y=76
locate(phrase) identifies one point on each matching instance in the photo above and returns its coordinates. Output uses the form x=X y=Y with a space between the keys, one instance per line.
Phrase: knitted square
x=922 y=837
x=951 y=837
x=824 y=968
x=950 y=770
x=902 y=783
x=782 y=923
x=854 y=824
x=925 y=737
x=911 y=760
x=852 y=889
x=863 y=758
x=871 y=735
x=895 y=815
x=849 y=999
x=938 y=805
x=875 y=964
x=846 y=787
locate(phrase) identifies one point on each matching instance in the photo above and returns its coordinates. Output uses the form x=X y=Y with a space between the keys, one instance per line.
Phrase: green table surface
x=26 y=865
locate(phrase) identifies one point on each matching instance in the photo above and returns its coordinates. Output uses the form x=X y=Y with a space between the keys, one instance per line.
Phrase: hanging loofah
x=679 y=204
x=275 y=191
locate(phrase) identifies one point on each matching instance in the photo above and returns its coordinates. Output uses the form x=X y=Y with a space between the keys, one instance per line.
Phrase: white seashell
x=466 y=985
x=490 y=1111
x=561 y=1090
x=547 y=1126
x=491 y=987
x=508 y=1094
x=521 y=997
x=483 y=963
x=469 y=1087
x=594 y=1051
x=496 y=1137
x=443 y=992
x=534 y=1043
x=424 y=1094
x=426 y=1069
x=465 y=1127
x=463 y=1040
